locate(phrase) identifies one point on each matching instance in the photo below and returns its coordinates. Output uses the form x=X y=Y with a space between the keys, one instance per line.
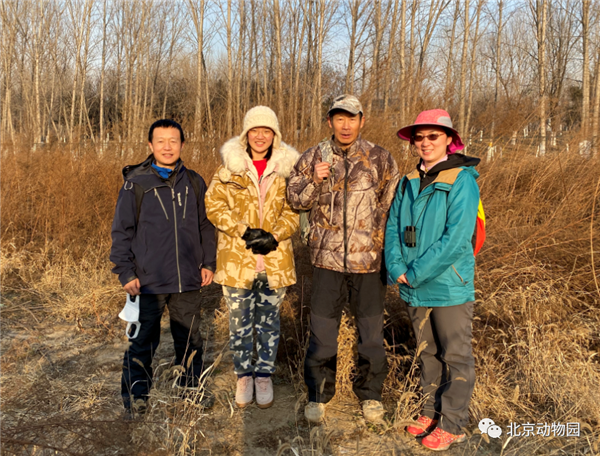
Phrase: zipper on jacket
x=185 y=201
x=459 y=276
x=345 y=208
x=161 y=203
x=176 y=244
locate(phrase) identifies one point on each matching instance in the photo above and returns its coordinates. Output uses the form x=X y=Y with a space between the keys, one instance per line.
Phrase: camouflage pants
x=258 y=309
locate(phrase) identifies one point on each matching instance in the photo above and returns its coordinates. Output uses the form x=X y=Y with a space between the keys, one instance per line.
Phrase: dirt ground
x=61 y=395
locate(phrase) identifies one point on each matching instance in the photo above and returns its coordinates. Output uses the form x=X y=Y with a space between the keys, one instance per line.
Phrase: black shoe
x=135 y=413
x=136 y=410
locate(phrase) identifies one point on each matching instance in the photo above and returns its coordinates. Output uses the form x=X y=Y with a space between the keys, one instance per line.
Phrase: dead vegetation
x=536 y=333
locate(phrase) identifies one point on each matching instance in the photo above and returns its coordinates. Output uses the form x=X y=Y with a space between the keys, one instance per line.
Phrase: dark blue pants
x=331 y=290
x=184 y=313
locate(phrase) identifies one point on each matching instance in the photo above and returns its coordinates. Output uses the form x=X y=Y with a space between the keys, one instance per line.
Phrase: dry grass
x=536 y=332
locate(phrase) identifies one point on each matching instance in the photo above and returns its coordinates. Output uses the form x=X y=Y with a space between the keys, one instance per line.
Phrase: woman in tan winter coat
x=246 y=201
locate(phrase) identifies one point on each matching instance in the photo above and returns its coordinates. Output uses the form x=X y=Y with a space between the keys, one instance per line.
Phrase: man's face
x=166 y=146
x=346 y=127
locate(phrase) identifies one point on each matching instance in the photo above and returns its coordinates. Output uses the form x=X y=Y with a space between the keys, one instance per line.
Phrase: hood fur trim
x=236 y=159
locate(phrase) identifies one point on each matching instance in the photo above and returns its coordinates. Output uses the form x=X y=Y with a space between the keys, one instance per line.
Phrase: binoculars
x=410 y=236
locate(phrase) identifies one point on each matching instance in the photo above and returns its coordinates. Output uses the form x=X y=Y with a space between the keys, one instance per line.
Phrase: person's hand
x=207 y=276
x=402 y=279
x=263 y=244
x=133 y=287
x=322 y=171
x=251 y=234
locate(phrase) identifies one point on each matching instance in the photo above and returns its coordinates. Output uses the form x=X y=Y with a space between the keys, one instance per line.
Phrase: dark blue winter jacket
x=167 y=244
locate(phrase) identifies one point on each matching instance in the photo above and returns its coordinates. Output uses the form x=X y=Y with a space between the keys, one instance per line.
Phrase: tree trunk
x=389 y=59
x=316 y=98
x=585 y=107
x=463 y=73
x=278 y=58
x=498 y=60
x=402 y=61
x=229 y=117
x=102 y=76
x=448 y=88
x=298 y=64
x=596 y=118
x=472 y=72
x=541 y=13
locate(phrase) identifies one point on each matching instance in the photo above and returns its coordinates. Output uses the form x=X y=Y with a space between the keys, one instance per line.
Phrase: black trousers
x=330 y=292
x=184 y=313
x=447 y=363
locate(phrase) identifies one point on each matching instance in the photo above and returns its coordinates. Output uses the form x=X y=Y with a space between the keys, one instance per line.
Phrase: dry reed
x=536 y=330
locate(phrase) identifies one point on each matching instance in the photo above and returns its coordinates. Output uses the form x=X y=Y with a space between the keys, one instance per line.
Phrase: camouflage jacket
x=232 y=205
x=348 y=210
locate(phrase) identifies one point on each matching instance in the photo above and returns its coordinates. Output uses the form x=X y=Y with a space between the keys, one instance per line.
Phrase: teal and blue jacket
x=442 y=205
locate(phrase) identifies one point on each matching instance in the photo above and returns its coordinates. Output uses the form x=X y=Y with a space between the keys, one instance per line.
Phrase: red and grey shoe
x=427 y=424
x=440 y=440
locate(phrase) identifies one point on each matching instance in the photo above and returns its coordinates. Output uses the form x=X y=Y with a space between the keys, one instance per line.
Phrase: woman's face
x=260 y=139
x=431 y=143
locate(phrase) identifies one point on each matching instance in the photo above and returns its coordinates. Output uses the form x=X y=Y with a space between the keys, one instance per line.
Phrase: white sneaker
x=314 y=412
x=264 y=392
x=373 y=411
x=244 y=391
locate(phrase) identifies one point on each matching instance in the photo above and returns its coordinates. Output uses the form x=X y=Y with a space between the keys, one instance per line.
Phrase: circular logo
x=494 y=431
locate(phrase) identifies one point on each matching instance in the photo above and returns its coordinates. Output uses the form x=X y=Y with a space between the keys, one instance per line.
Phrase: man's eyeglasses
x=431 y=137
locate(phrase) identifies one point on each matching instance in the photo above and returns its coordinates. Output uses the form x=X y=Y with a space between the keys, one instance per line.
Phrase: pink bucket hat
x=438 y=118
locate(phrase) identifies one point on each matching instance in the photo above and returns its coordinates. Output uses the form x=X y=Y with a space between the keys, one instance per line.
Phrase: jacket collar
x=147 y=177
x=358 y=144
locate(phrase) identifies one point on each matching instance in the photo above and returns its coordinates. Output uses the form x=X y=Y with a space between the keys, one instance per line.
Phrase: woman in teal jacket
x=429 y=253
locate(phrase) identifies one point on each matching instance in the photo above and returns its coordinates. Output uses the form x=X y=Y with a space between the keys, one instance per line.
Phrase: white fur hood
x=236 y=160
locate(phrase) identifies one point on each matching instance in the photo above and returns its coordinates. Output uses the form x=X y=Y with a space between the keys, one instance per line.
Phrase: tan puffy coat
x=349 y=211
x=232 y=205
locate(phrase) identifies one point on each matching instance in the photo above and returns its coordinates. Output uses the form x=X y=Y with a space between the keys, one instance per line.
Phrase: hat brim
x=349 y=111
x=405 y=133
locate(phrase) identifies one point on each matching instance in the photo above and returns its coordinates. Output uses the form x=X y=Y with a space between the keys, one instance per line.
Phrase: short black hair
x=165 y=123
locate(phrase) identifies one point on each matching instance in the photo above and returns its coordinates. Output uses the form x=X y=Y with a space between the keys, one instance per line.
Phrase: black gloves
x=260 y=241
x=251 y=234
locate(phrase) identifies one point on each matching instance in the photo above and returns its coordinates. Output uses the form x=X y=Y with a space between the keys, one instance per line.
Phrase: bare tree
x=498 y=59
x=463 y=72
x=472 y=72
x=389 y=57
x=540 y=13
x=357 y=10
x=278 y=57
x=448 y=95
x=585 y=31
x=197 y=8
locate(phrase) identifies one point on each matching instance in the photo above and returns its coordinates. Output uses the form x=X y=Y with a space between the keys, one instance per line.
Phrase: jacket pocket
x=462 y=281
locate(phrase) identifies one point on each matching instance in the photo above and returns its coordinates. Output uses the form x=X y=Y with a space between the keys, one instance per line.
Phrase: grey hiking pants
x=447 y=363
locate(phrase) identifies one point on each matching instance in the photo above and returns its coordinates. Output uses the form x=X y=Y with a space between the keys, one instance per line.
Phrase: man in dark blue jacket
x=163 y=248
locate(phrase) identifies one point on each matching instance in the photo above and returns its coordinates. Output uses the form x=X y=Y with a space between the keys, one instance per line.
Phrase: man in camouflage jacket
x=348 y=197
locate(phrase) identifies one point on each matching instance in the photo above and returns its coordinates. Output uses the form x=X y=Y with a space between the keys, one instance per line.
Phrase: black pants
x=447 y=364
x=330 y=292
x=184 y=312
